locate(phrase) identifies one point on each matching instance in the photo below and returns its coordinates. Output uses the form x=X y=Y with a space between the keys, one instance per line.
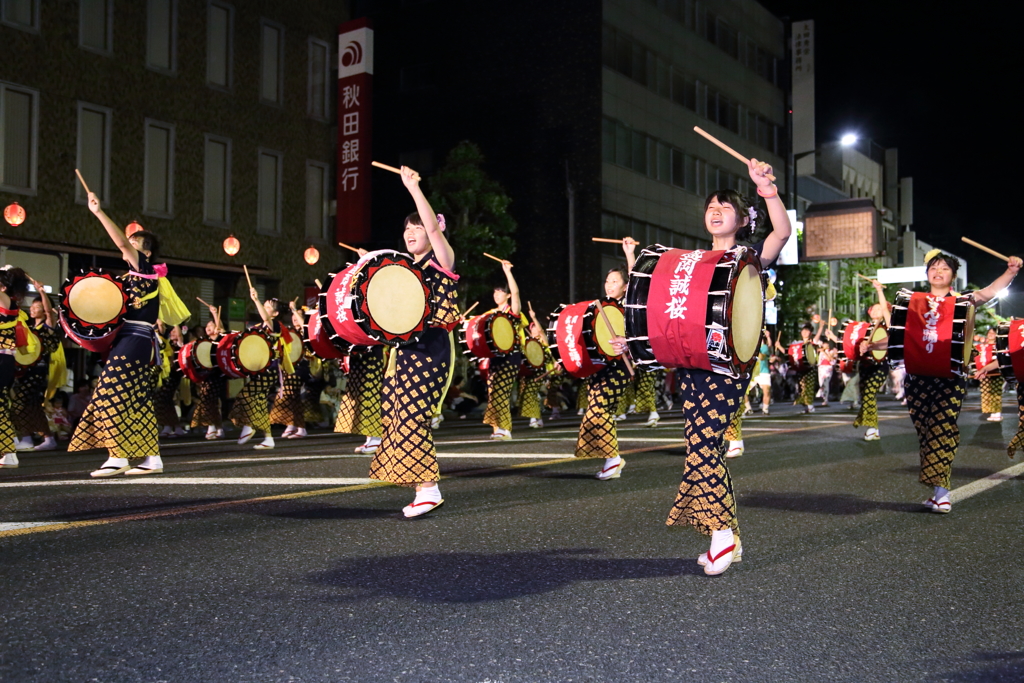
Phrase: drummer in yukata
x=705 y=497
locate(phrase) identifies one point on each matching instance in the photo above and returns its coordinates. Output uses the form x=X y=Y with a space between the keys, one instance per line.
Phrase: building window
x=217 y=181
x=268 y=218
x=316 y=200
x=219 y=42
x=19 y=130
x=271 y=61
x=96 y=25
x=318 y=99
x=23 y=14
x=158 y=193
x=161 y=34
x=93 y=160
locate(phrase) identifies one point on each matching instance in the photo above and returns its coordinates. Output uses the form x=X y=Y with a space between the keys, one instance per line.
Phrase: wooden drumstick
x=499 y=260
x=350 y=248
x=465 y=313
x=984 y=248
x=246 y=269
x=203 y=302
x=415 y=176
x=611 y=330
x=611 y=241
x=82 y=180
x=864 y=277
x=728 y=149
x=319 y=285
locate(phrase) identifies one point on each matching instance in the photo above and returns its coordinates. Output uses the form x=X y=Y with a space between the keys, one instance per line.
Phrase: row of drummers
x=926 y=337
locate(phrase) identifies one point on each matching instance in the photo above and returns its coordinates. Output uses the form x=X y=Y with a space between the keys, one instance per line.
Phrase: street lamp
x=848 y=140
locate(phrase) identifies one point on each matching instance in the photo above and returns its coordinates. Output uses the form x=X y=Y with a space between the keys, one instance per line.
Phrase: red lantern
x=14 y=214
x=311 y=255
x=132 y=228
x=232 y=245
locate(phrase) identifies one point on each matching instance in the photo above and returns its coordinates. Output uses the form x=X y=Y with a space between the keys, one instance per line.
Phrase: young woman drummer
x=991 y=382
x=503 y=371
x=419 y=374
x=871 y=376
x=808 y=378
x=288 y=409
x=531 y=388
x=598 y=437
x=251 y=410
x=30 y=390
x=209 y=393
x=705 y=499
x=120 y=415
x=13 y=288
x=935 y=402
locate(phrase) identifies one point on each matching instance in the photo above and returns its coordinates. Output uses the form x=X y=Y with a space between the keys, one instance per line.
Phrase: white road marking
x=8 y=526
x=982 y=485
x=192 y=481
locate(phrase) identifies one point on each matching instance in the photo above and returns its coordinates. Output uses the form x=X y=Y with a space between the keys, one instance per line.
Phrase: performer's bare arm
x=438 y=242
x=514 y=302
x=1001 y=282
x=781 y=227
x=116 y=234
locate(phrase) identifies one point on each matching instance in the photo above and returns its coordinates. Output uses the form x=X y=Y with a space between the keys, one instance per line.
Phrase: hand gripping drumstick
x=611 y=241
x=984 y=248
x=415 y=176
x=728 y=149
x=611 y=330
x=82 y=180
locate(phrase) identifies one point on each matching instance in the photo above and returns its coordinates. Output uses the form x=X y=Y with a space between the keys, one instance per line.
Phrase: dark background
x=937 y=83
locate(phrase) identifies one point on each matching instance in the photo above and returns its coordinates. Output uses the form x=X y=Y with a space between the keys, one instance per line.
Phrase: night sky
x=936 y=83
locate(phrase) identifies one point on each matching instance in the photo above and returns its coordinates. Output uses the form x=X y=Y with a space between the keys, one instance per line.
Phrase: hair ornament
x=440 y=221
x=752 y=214
x=931 y=254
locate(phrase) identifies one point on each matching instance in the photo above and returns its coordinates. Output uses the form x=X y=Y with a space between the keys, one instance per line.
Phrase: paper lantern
x=311 y=255
x=132 y=228
x=232 y=245
x=14 y=214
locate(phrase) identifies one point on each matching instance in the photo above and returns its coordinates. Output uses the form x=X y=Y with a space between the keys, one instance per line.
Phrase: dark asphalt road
x=532 y=571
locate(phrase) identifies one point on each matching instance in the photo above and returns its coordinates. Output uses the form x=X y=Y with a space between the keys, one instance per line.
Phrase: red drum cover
x=319 y=341
x=853 y=335
x=986 y=354
x=339 y=308
x=677 y=307
x=1016 y=348
x=928 y=341
x=571 y=347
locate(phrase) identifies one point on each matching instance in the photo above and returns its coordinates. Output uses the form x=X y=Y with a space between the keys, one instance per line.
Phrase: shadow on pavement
x=827 y=504
x=337 y=513
x=478 y=577
x=991 y=667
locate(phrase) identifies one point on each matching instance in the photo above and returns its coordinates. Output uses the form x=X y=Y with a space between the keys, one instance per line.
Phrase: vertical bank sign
x=355 y=95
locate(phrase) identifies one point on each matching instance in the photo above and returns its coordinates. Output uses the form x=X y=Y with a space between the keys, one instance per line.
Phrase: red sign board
x=355 y=94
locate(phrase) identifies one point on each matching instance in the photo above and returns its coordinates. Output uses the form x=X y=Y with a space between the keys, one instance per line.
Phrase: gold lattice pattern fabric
x=598 y=436
x=27 y=396
x=360 y=409
x=288 y=409
x=529 y=397
x=406 y=455
x=992 y=395
x=207 y=396
x=808 y=387
x=120 y=415
x=705 y=498
x=872 y=377
x=501 y=379
x=252 y=405
x=934 y=404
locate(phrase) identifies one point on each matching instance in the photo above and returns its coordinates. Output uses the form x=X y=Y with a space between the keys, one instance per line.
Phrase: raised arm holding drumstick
x=503 y=371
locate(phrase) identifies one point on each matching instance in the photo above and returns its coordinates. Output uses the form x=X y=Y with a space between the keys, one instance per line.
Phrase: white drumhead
x=205 y=354
x=879 y=334
x=396 y=299
x=968 y=334
x=253 y=353
x=95 y=300
x=604 y=335
x=747 y=313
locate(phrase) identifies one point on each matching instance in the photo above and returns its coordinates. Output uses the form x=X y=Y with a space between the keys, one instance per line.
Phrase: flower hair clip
x=752 y=214
x=440 y=221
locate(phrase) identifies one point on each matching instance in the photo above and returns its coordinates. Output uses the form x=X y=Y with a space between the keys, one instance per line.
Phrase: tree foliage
x=476 y=212
x=799 y=287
